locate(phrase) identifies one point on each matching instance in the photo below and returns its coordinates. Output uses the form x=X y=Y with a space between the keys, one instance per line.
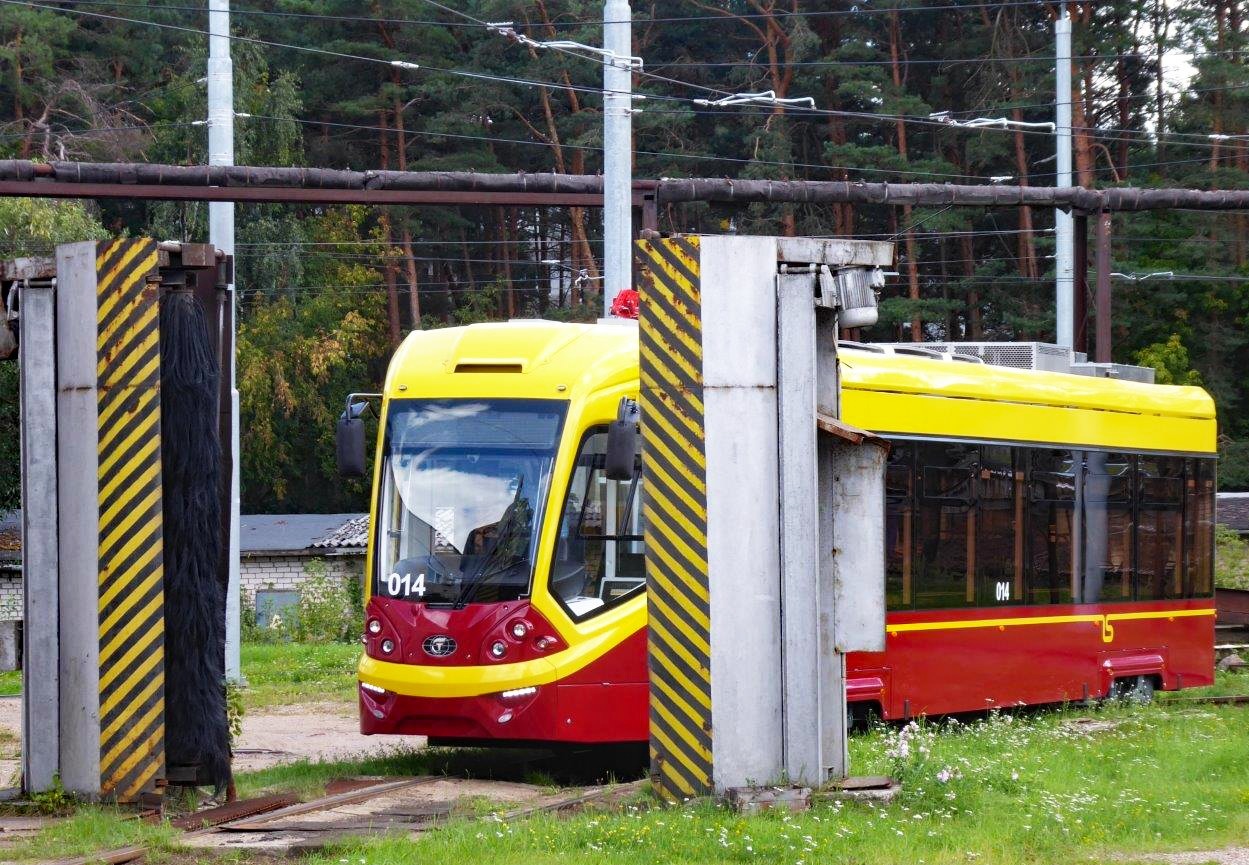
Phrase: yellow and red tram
x=1049 y=538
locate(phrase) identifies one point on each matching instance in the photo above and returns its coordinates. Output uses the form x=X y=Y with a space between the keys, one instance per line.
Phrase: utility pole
x=617 y=150
x=221 y=235
x=1064 y=228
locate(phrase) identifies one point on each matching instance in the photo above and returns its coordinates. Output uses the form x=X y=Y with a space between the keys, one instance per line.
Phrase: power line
x=339 y=55
x=866 y=116
x=593 y=149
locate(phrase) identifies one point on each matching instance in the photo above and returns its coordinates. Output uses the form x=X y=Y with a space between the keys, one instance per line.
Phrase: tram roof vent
x=1042 y=356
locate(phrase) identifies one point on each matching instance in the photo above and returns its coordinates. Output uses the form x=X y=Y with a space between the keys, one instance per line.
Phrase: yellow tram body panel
x=593 y=365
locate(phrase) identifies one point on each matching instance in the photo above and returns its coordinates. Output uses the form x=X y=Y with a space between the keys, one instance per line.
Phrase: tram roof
x=865 y=370
x=558 y=359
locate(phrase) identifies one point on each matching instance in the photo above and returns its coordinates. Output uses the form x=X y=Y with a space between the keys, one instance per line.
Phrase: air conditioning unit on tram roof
x=1041 y=356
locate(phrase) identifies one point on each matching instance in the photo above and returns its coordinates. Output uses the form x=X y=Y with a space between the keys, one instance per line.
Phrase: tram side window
x=1051 y=509
x=1159 y=536
x=1107 y=527
x=1199 y=529
x=999 y=530
x=899 y=524
x=599 y=557
x=945 y=526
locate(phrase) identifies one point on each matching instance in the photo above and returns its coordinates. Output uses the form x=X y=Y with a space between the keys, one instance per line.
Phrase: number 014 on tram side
x=1049 y=537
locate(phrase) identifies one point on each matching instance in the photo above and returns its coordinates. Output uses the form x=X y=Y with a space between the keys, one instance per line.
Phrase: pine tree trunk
x=392 y=282
x=912 y=255
x=414 y=281
x=974 y=328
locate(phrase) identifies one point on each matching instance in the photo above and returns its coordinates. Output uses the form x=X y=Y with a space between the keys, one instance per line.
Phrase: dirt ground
x=315 y=731
x=282 y=734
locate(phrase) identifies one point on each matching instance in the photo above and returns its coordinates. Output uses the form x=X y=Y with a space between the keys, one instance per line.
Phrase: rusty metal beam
x=286 y=195
x=1101 y=353
x=332 y=186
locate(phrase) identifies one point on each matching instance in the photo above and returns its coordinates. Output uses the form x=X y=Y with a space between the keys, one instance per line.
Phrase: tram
x=1049 y=538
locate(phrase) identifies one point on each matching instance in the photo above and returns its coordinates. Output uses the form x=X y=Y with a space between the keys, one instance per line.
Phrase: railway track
x=281 y=825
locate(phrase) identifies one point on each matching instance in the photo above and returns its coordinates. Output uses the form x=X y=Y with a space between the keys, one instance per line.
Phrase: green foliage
x=1170 y=360
x=30 y=226
x=326 y=292
x=326 y=609
x=235 y=710
x=1231 y=559
x=1233 y=464
x=53 y=802
x=10 y=441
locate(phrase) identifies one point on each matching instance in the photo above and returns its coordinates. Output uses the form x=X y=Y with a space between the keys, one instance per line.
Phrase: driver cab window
x=599 y=556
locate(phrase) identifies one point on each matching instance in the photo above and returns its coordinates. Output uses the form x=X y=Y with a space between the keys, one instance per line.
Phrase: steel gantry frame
x=450 y=188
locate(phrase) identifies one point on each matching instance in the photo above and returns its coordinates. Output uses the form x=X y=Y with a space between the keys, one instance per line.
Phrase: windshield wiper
x=518 y=513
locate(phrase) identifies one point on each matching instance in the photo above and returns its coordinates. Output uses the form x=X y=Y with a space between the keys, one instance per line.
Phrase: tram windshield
x=464 y=483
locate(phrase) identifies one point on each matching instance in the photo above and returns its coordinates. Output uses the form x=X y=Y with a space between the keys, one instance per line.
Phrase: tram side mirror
x=349 y=440
x=622 y=442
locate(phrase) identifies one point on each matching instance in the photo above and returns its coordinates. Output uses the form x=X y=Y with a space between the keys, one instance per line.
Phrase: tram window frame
x=1000 y=465
x=1199 y=522
x=899 y=524
x=937 y=507
x=634 y=500
x=1043 y=483
x=1119 y=504
x=1150 y=506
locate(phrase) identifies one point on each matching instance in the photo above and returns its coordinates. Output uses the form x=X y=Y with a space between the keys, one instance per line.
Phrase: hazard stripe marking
x=131 y=561
x=675 y=507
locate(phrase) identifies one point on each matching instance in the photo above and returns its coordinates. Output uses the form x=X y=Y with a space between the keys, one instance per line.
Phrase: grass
x=90 y=828
x=286 y=673
x=1226 y=684
x=10 y=683
x=1033 y=787
x=1008 y=789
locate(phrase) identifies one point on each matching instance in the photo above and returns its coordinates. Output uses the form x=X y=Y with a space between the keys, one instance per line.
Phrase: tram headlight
x=375 y=626
x=519 y=629
x=388 y=646
x=498 y=649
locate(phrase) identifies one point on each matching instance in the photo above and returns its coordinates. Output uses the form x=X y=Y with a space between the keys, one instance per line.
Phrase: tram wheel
x=1136 y=689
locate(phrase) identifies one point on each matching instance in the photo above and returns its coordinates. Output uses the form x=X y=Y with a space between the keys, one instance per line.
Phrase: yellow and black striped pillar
x=110 y=519
x=675 y=505
x=131 y=599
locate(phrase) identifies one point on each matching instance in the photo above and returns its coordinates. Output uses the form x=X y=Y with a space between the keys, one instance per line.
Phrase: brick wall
x=257 y=572
x=10 y=596
x=289 y=572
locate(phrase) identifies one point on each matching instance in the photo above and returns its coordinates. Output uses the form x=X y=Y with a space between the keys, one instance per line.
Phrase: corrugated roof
x=272 y=533
x=258 y=535
x=1232 y=510
x=353 y=534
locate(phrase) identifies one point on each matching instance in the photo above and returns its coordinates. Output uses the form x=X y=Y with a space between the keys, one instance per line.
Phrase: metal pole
x=617 y=151
x=1101 y=352
x=221 y=235
x=40 y=555
x=1064 y=287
